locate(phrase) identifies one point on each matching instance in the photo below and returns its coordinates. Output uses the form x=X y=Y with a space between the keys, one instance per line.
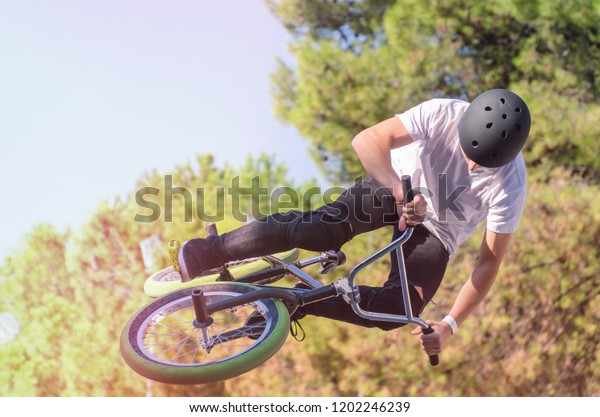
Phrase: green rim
x=255 y=355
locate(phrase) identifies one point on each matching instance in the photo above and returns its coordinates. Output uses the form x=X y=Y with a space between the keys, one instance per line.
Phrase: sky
x=93 y=94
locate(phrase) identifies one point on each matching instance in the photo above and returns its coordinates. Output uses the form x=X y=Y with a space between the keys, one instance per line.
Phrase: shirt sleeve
x=428 y=118
x=414 y=120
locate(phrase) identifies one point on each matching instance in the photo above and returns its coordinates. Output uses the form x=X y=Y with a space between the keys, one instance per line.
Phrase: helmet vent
x=489 y=125
x=504 y=134
x=475 y=143
x=502 y=100
x=488 y=108
x=518 y=110
x=518 y=126
x=504 y=116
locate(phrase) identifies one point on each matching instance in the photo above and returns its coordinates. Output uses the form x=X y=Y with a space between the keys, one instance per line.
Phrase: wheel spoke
x=171 y=337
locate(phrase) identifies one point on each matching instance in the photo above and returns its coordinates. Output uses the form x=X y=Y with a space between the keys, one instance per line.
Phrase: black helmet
x=494 y=128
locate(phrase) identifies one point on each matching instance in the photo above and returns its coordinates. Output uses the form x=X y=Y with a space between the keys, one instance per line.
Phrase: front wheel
x=160 y=341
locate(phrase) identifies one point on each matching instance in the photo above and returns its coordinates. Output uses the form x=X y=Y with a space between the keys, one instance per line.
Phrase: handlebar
x=409 y=196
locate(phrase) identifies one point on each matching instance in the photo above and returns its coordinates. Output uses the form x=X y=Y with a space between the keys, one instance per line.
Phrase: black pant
x=365 y=207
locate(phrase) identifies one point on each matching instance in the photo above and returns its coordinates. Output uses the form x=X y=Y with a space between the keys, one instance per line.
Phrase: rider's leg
x=277 y=233
x=310 y=230
x=364 y=207
x=425 y=258
x=372 y=299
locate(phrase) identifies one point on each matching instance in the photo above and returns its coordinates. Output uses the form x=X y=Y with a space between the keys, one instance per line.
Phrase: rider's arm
x=492 y=252
x=373 y=146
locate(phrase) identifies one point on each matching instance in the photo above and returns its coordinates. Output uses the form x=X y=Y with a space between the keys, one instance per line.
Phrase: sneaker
x=197 y=256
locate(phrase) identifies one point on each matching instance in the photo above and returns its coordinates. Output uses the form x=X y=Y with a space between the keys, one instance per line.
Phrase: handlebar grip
x=434 y=360
x=407 y=189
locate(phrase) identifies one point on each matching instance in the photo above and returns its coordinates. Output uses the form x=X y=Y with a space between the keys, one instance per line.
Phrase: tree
x=351 y=72
x=357 y=63
x=539 y=315
x=73 y=292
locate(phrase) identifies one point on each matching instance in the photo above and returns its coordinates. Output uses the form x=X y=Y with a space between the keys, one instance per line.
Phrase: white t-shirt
x=458 y=200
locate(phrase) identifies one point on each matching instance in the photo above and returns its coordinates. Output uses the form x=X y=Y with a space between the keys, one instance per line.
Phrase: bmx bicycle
x=229 y=322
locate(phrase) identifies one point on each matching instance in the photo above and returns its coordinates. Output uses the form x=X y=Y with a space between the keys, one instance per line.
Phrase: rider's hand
x=412 y=213
x=434 y=343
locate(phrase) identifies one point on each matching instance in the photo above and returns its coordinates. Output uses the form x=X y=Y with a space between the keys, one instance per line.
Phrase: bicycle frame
x=408 y=318
x=163 y=340
x=345 y=287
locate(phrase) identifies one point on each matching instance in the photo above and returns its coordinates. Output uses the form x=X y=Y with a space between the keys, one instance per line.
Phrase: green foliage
x=414 y=50
x=73 y=292
x=566 y=136
x=535 y=334
x=358 y=62
x=353 y=24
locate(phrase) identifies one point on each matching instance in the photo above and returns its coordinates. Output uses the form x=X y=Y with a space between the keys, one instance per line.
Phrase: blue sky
x=95 y=93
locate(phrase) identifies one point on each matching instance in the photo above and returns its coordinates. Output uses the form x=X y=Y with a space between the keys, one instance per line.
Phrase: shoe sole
x=185 y=276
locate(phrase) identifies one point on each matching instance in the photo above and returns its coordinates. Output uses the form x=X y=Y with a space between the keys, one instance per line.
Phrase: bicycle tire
x=138 y=340
x=167 y=280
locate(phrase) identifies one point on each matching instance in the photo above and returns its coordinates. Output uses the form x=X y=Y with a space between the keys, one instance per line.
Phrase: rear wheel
x=160 y=341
